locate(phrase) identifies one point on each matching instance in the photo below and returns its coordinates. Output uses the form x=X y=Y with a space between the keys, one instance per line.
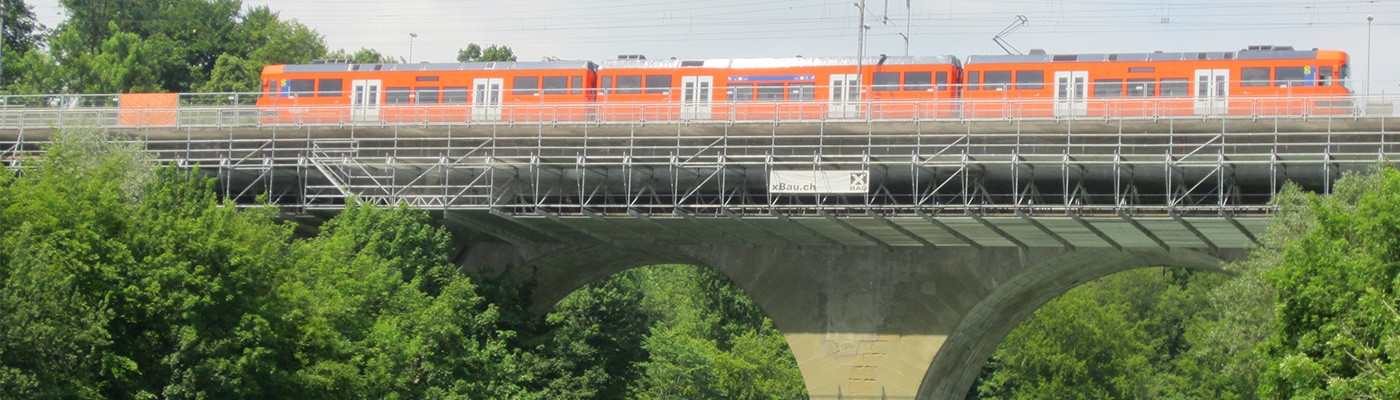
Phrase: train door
x=364 y=100
x=696 y=92
x=845 y=96
x=486 y=100
x=1212 y=91
x=1071 y=93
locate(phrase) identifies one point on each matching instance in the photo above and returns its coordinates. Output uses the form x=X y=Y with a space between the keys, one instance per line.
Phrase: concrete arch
x=561 y=270
x=955 y=367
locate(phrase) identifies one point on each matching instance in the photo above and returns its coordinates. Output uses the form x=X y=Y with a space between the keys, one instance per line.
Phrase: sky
x=694 y=29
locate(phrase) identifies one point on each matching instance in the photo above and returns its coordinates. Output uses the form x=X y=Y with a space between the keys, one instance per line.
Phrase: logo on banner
x=860 y=182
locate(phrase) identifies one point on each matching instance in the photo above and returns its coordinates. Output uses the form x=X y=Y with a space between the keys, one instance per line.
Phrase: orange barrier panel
x=147 y=109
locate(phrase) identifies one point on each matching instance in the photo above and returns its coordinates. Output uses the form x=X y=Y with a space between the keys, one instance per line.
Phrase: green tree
x=1075 y=347
x=399 y=320
x=122 y=63
x=364 y=56
x=474 y=52
x=261 y=39
x=1337 y=333
x=22 y=34
x=201 y=27
x=161 y=291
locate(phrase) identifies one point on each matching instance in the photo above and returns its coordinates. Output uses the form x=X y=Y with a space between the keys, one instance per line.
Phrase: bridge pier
x=863 y=322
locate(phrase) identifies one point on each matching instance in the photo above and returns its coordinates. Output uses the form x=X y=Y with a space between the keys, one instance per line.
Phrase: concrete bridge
x=902 y=255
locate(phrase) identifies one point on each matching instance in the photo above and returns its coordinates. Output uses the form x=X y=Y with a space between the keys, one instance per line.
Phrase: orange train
x=1260 y=80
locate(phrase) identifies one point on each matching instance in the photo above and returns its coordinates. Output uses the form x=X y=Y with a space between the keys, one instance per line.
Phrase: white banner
x=818 y=182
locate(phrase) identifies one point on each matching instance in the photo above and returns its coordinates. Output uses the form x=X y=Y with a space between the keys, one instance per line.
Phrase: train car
x=797 y=88
x=1260 y=80
x=338 y=92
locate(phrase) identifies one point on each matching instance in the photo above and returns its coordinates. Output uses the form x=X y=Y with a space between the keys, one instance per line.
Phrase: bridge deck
x=1129 y=182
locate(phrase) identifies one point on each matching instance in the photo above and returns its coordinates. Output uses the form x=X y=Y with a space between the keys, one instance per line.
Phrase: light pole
x=411 y=36
x=907 y=23
x=1368 y=54
x=860 y=44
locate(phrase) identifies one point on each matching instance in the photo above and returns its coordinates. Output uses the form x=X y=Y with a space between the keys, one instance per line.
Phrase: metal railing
x=233 y=110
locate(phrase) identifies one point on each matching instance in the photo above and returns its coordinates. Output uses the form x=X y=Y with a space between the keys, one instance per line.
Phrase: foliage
x=262 y=39
x=202 y=29
x=667 y=331
x=365 y=56
x=1311 y=313
x=1337 y=333
x=475 y=53
x=22 y=32
x=120 y=46
x=120 y=279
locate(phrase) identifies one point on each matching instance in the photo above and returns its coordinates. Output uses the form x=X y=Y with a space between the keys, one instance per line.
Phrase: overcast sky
x=602 y=29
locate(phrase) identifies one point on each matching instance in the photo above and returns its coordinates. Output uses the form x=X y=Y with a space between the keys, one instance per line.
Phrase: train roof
x=1251 y=53
x=457 y=66
x=749 y=63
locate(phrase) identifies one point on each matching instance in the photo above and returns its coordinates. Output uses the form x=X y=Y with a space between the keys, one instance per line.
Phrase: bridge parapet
x=1005 y=179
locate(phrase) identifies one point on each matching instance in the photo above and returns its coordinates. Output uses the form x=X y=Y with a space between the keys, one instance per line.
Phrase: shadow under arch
x=955 y=367
x=559 y=271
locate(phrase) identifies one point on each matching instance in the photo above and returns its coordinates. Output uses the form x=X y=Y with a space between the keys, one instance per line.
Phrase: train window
x=1141 y=70
x=974 y=80
x=941 y=79
x=996 y=80
x=397 y=95
x=1030 y=80
x=1254 y=77
x=425 y=78
x=454 y=95
x=1344 y=75
x=1289 y=76
x=331 y=87
x=629 y=84
x=303 y=87
x=740 y=92
x=1108 y=88
x=426 y=95
x=918 y=81
x=802 y=91
x=770 y=92
x=606 y=86
x=658 y=84
x=1142 y=88
x=526 y=85
x=1324 y=76
x=556 y=85
x=577 y=85
x=1176 y=87
x=886 y=81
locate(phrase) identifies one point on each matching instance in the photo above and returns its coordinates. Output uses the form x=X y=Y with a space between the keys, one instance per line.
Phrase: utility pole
x=2 y=39
x=860 y=48
x=908 y=17
x=1368 y=54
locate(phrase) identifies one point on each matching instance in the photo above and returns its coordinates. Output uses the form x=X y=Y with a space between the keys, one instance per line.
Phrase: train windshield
x=1345 y=76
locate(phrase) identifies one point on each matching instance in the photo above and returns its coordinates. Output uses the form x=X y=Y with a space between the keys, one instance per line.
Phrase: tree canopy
x=474 y=52
x=120 y=278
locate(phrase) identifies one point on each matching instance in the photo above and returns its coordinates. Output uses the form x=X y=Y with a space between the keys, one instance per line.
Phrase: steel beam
x=1145 y=231
x=1197 y=232
x=1068 y=246
x=949 y=229
x=1096 y=231
x=900 y=229
x=998 y=231
x=805 y=228
x=853 y=229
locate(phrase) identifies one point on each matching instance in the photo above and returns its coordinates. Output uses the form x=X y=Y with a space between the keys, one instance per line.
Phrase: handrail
x=60 y=111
